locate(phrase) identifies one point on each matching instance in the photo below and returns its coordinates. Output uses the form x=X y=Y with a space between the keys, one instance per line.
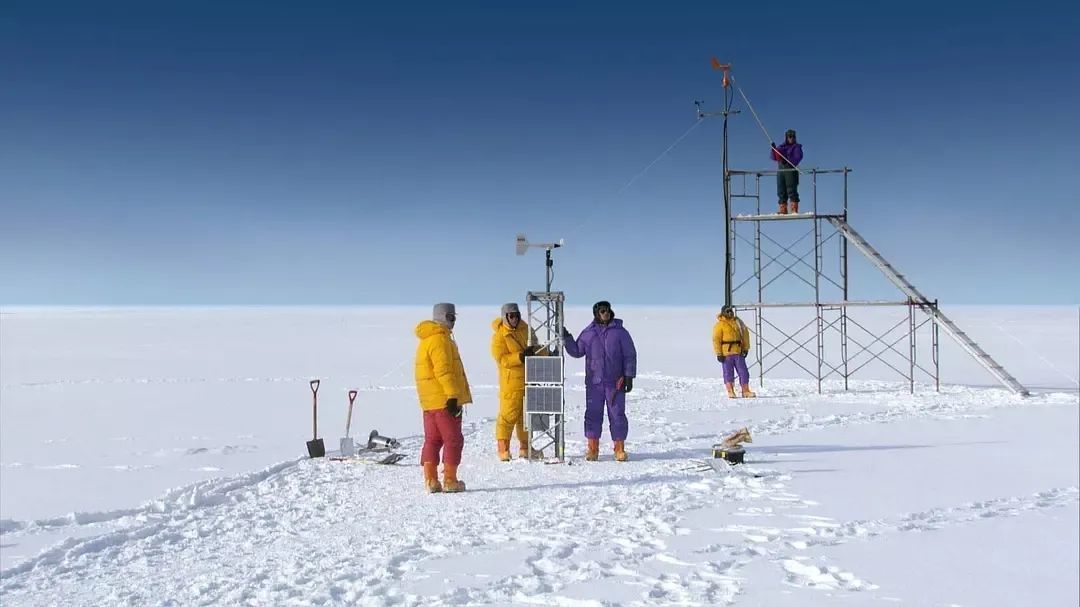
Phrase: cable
x=749 y=105
x=677 y=141
x=1034 y=352
x=696 y=124
x=760 y=124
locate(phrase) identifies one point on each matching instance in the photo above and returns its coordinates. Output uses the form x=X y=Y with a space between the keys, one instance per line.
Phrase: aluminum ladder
x=909 y=289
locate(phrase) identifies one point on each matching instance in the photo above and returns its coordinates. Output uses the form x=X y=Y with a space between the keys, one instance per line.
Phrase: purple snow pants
x=736 y=362
x=597 y=397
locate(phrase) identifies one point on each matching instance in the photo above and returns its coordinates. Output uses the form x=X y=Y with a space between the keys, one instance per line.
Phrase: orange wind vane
x=724 y=67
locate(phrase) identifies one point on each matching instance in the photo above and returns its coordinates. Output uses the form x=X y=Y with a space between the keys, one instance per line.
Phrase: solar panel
x=543 y=399
x=543 y=370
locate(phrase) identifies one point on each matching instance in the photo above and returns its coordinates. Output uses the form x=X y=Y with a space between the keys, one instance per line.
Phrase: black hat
x=601 y=304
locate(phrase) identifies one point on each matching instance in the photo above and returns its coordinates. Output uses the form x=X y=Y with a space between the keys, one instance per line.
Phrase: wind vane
x=724 y=67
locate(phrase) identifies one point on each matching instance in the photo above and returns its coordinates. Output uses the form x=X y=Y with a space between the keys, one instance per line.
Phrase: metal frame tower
x=830 y=342
x=832 y=323
x=834 y=317
x=545 y=375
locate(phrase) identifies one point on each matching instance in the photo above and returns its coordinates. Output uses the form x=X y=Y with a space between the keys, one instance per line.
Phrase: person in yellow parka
x=731 y=343
x=443 y=390
x=510 y=344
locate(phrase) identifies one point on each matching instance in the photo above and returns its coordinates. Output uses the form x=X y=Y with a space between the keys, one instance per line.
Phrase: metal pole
x=845 y=193
x=560 y=320
x=758 y=348
x=843 y=343
x=817 y=247
x=757 y=243
x=548 y=270
x=820 y=343
x=914 y=344
x=725 y=112
x=817 y=280
x=549 y=265
x=760 y=282
x=911 y=346
x=727 y=212
x=844 y=274
x=937 y=360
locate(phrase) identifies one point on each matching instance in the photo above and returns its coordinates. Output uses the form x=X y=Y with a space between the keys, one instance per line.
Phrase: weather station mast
x=726 y=111
x=545 y=371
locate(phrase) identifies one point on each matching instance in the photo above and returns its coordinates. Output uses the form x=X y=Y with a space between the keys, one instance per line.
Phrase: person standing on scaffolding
x=787 y=155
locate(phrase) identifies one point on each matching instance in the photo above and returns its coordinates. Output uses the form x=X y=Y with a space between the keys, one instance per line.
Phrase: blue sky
x=387 y=153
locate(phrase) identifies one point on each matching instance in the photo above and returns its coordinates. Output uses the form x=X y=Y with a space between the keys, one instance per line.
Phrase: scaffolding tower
x=545 y=369
x=545 y=379
x=841 y=344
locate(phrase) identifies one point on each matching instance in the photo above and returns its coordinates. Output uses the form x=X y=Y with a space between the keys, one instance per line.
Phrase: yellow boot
x=746 y=393
x=503 y=449
x=794 y=205
x=730 y=390
x=431 y=477
x=783 y=208
x=620 y=451
x=592 y=451
x=451 y=484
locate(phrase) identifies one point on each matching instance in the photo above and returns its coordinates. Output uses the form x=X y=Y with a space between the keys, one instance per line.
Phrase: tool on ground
x=731 y=449
x=348 y=449
x=315 y=446
x=731 y=454
x=377 y=441
x=742 y=435
x=388 y=459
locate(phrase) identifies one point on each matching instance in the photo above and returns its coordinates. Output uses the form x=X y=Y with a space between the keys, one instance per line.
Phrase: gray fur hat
x=510 y=308
x=441 y=313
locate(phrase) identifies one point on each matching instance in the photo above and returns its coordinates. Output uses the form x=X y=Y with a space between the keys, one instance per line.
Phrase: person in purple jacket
x=610 y=367
x=787 y=155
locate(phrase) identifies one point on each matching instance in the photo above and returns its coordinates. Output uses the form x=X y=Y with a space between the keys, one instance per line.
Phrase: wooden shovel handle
x=348 y=420
x=314 y=409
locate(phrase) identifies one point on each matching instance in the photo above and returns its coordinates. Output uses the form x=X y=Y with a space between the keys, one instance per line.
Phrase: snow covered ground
x=156 y=456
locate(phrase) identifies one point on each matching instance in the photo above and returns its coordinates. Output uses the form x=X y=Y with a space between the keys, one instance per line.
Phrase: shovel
x=348 y=449
x=315 y=446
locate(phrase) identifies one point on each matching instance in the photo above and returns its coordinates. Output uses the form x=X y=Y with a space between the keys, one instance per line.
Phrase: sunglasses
x=603 y=310
x=514 y=315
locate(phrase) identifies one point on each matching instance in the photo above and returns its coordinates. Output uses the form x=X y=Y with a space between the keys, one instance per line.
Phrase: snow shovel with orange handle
x=315 y=446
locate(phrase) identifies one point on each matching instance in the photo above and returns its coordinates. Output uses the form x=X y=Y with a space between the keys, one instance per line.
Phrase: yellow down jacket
x=730 y=336
x=439 y=372
x=506 y=347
